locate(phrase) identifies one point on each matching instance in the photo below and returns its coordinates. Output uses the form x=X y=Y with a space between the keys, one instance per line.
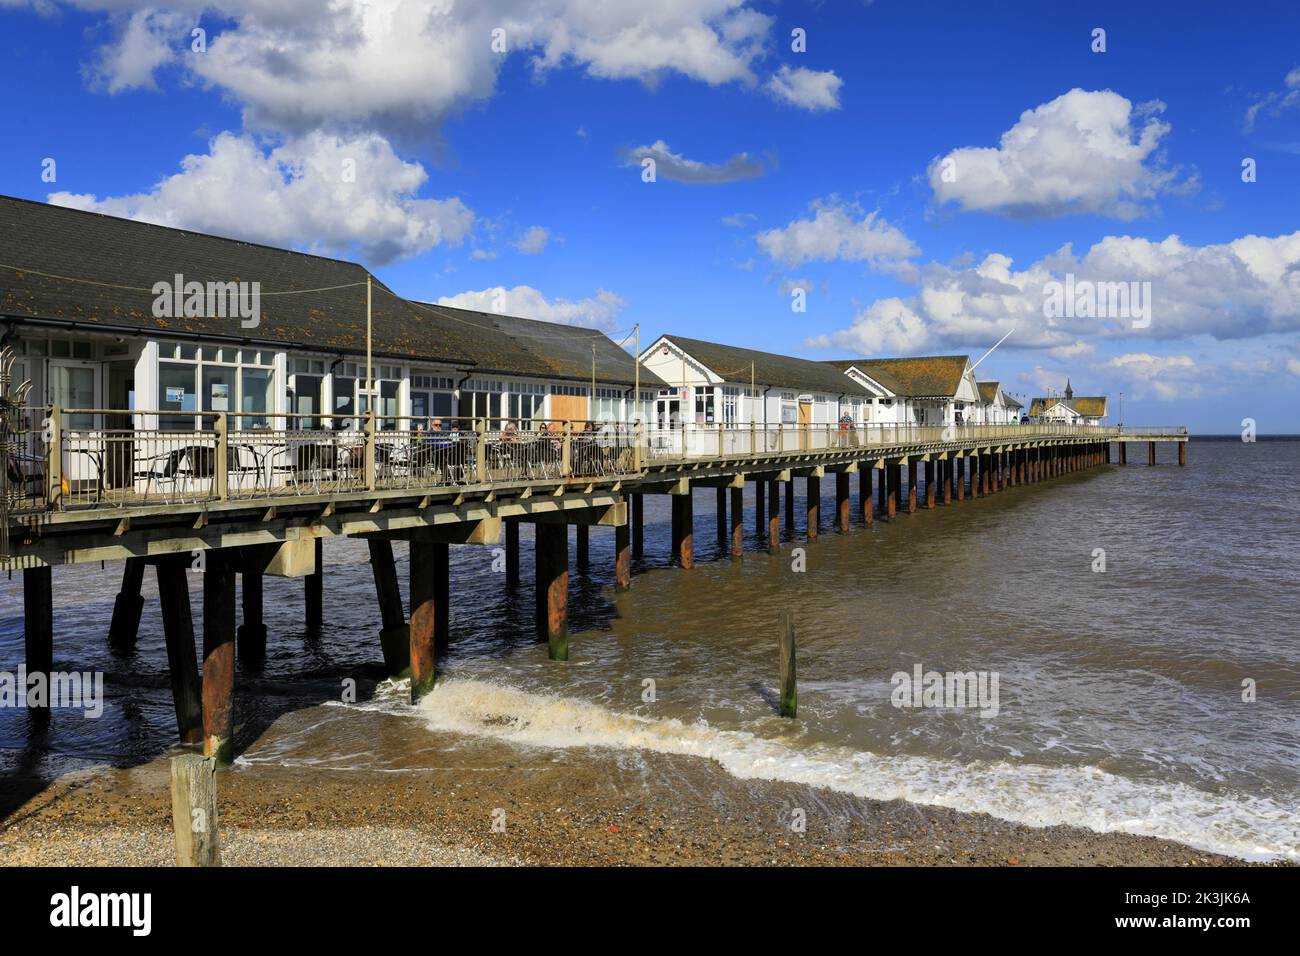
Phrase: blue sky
x=518 y=175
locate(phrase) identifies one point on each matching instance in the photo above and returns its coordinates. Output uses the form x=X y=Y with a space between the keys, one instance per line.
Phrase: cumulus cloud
x=1157 y=376
x=1083 y=152
x=144 y=44
x=320 y=192
x=596 y=312
x=401 y=65
x=837 y=232
x=1229 y=291
x=675 y=166
x=532 y=241
x=807 y=89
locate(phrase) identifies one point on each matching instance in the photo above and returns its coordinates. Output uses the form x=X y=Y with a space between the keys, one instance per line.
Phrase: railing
x=194 y=458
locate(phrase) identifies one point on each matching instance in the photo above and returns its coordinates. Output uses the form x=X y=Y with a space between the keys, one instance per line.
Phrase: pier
x=227 y=502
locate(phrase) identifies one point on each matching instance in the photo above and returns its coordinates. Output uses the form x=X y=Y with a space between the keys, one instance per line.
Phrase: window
x=705 y=411
x=609 y=402
x=730 y=396
x=525 y=404
x=480 y=398
x=225 y=380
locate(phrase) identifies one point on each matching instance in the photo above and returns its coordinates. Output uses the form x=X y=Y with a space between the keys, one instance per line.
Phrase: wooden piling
x=194 y=810
x=1151 y=453
x=218 y=657
x=895 y=470
x=813 y=494
x=930 y=497
x=127 y=607
x=789 y=682
x=394 y=637
x=422 y=630
x=38 y=637
x=638 y=525
x=511 y=527
x=1182 y=454
x=913 y=478
x=773 y=515
x=959 y=478
x=1123 y=452
x=313 y=590
x=760 y=507
x=946 y=479
x=882 y=491
x=865 y=508
x=842 y=500
x=250 y=638
x=178 y=634
x=737 y=522
x=684 y=530
x=622 y=557
x=553 y=588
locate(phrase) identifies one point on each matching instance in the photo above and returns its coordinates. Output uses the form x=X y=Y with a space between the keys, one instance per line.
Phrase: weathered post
x=182 y=660
x=622 y=558
x=959 y=478
x=930 y=498
x=313 y=589
x=218 y=657
x=882 y=491
x=38 y=637
x=865 y=508
x=512 y=551
x=394 y=638
x=127 y=607
x=774 y=515
x=895 y=487
x=1123 y=452
x=737 y=522
x=684 y=529
x=553 y=588
x=194 y=810
x=1151 y=453
x=250 y=638
x=423 y=626
x=813 y=494
x=913 y=479
x=789 y=682
x=842 y=499
x=1182 y=453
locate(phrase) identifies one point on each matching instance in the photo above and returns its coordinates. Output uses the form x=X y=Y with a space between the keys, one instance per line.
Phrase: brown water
x=1120 y=693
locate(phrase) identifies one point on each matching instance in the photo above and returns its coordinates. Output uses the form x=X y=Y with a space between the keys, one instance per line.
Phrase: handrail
x=294 y=454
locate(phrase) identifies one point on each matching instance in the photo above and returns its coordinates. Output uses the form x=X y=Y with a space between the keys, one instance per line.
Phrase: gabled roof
x=68 y=265
x=921 y=377
x=878 y=375
x=733 y=364
x=1010 y=402
x=1089 y=406
x=988 y=391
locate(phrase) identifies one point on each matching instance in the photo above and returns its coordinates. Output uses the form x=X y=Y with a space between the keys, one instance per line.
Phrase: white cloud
x=482 y=254
x=1229 y=291
x=144 y=45
x=1159 y=376
x=1084 y=152
x=808 y=89
x=676 y=167
x=597 y=312
x=837 y=232
x=533 y=240
x=1275 y=102
x=401 y=65
x=297 y=195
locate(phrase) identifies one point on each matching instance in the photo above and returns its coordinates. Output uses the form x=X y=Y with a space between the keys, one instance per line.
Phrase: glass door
x=74 y=385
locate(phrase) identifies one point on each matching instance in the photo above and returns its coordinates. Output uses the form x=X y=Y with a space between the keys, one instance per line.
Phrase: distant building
x=1081 y=410
x=927 y=390
x=996 y=406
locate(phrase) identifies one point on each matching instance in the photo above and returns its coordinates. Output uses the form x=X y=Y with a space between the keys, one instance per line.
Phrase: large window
x=480 y=398
x=609 y=402
x=730 y=400
x=431 y=396
x=306 y=386
x=525 y=404
x=226 y=380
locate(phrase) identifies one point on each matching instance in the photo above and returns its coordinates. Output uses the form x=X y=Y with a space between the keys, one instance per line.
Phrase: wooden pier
x=261 y=528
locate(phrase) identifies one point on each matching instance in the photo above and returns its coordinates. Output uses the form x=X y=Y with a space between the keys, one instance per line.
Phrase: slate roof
x=988 y=391
x=784 y=371
x=67 y=265
x=927 y=376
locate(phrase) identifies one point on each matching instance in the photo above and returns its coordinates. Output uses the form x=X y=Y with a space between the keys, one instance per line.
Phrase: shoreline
x=581 y=807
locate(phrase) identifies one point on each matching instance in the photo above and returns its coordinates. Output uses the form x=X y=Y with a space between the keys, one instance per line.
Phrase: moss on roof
x=733 y=364
x=925 y=376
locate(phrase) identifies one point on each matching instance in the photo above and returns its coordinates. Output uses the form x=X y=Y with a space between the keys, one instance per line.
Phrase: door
x=119 y=454
x=76 y=384
x=805 y=420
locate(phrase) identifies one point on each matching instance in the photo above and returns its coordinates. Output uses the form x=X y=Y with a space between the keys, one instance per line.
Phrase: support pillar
x=864 y=492
x=250 y=638
x=313 y=588
x=721 y=510
x=683 y=530
x=930 y=498
x=882 y=491
x=737 y=522
x=182 y=660
x=760 y=507
x=842 y=500
x=913 y=475
x=1182 y=454
x=1151 y=453
x=394 y=638
x=622 y=558
x=38 y=638
x=553 y=588
x=424 y=614
x=1123 y=452
x=789 y=504
x=218 y=657
x=127 y=607
x=638 y=525
x=813 y=492
x=959 y=476
x=895 y=484
x=773 y=516
x=512 y=551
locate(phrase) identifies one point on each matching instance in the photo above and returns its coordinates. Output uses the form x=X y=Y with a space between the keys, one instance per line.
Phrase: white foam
x=1245 y=826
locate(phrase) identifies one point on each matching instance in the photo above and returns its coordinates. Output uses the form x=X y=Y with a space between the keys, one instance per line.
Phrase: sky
x=818 y=179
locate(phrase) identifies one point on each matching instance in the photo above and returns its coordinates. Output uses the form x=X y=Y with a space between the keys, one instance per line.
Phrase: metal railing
x=201 y=457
